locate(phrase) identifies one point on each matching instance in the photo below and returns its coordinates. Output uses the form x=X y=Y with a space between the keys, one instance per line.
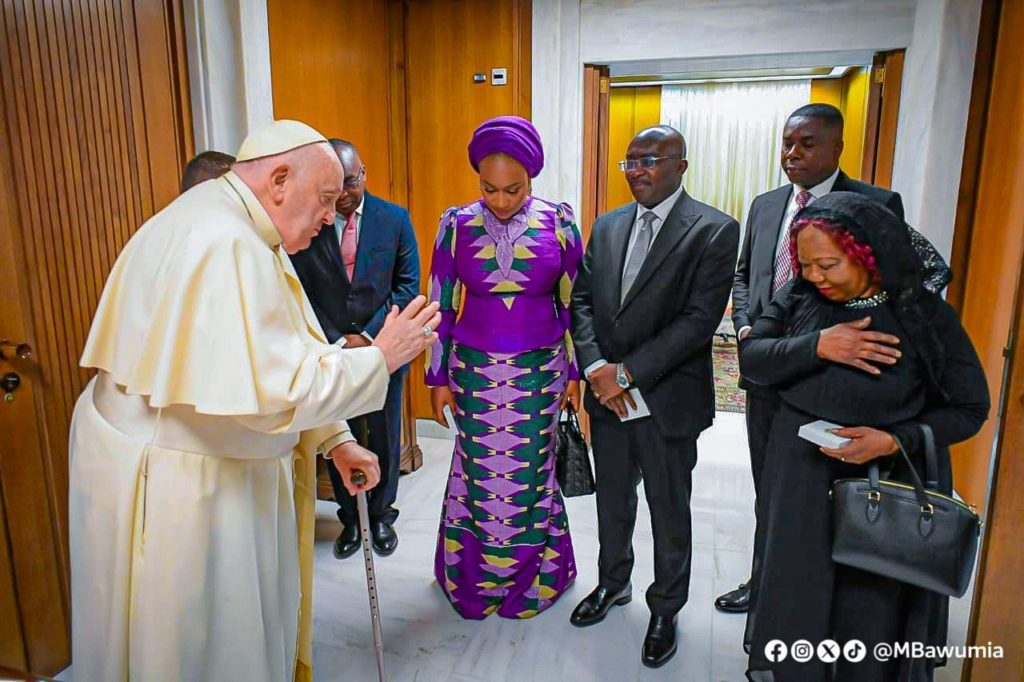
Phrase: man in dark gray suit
x=812 y=143
x=649 y=296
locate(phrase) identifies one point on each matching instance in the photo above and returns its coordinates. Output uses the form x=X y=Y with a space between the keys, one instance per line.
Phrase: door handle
x=10 y=350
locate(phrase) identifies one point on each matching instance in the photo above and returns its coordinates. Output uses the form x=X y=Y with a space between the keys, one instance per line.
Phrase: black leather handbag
x=572 y=458
x=908 y=533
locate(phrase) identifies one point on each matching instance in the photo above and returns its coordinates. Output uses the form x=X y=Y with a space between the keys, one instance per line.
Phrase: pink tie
x=348 y=245
x=784 y=260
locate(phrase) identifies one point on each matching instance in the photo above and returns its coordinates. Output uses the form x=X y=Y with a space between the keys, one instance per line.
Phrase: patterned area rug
x=728 y=395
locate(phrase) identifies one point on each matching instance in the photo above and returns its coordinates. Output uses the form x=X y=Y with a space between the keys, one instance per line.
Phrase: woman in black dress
x=856 y=340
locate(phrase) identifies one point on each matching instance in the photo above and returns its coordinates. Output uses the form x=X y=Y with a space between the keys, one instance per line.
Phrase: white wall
x=569 y=33
x=934 y=104
x=228 y=45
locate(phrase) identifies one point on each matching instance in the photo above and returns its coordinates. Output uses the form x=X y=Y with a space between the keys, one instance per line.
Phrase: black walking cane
x=359 y=478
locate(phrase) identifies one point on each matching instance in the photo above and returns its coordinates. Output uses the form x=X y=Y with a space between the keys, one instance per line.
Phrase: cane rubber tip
x=358 y=477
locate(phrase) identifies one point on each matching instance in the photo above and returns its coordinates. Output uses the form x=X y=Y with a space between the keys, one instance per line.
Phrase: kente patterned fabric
x=504 y=543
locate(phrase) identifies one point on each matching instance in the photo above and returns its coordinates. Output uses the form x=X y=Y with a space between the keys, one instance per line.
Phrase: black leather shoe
x=595 y=606
x=385 y=539
x=348 y=542
x=735 y=601
x=660 y=642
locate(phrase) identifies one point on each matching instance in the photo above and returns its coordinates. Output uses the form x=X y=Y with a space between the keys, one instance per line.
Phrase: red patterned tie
x=784 y=260
x=348 y=245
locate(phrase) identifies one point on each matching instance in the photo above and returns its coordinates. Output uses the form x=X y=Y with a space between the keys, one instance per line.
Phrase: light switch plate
x=499 y=76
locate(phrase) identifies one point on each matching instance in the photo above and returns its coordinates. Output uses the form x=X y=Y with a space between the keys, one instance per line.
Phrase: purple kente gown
x=504 y=540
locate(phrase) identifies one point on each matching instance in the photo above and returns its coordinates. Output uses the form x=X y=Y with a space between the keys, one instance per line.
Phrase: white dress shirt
x=339 y=223
x=817 y=192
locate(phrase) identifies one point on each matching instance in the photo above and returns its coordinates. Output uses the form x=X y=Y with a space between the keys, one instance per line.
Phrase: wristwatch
x=620 y=376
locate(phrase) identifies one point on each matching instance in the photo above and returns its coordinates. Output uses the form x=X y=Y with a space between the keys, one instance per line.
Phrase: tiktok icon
x=855 y=651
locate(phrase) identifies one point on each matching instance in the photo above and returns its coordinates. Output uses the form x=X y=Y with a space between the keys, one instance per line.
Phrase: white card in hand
x=820 y=433
x=641 y=410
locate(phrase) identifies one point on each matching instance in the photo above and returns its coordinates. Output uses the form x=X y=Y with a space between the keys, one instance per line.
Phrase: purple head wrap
x=510 y=135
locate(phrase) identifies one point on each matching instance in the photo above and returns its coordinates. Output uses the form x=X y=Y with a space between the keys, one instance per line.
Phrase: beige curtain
x=733 y=134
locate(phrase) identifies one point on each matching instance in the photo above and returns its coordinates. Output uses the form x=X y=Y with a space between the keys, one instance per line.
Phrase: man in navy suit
x=354 y=271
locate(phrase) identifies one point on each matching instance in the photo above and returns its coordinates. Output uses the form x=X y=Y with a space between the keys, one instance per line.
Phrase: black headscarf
x=898 y=263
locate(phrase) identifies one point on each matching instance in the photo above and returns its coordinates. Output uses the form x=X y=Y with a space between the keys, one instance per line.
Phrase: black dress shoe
x=348 y=542
x=595 y=606
x=385 y=539
x=660 y=642
x=735 y=601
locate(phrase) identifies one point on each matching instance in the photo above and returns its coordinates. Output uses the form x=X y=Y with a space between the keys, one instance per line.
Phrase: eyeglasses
x=647 y=162
x=353 y=183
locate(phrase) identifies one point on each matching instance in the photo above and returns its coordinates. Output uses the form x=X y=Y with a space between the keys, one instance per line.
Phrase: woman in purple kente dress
x=505 y=369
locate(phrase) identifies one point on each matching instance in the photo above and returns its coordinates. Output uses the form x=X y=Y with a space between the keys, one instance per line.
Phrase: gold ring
x=842 y=459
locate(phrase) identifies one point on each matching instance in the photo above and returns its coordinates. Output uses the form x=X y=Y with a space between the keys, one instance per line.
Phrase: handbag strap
x=573 y=419
x=919 y=489
x=931 y=461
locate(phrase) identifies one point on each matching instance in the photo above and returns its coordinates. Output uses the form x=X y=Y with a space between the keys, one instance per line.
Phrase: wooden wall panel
x=94 y=132
x=993 y=305
x=336 y=78
x=447 y=41
x=997 y=243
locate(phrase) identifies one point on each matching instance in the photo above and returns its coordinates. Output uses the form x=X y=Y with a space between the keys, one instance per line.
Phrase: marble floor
x=426 y=641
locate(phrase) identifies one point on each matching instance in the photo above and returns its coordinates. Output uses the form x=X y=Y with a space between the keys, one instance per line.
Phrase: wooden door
x=94 y=131
x=447 y=42
x=990 y=298
x=351 y=87
x=596 y=102
x=883 y=114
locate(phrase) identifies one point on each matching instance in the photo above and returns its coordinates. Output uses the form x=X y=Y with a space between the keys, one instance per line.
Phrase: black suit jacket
x=752 y=289
x=663 y=329
x=387 y=271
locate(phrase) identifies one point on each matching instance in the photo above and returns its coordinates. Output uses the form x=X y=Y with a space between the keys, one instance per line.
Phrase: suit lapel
x=683 y=216
x=620 y=232
x=368 y=237
x=330 y=246
x=774 y=212
x=842 y=183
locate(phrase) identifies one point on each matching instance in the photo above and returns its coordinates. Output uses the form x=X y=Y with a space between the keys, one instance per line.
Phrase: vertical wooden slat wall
x=98 y=128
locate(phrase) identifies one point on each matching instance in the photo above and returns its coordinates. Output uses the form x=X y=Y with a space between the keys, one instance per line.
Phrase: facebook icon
x=776 y=650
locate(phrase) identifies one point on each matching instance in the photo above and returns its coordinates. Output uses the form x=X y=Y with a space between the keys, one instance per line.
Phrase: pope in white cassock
x=192 y=450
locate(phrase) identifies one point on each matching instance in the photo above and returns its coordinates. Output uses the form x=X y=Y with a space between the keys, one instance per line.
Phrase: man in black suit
x=650 y=293
x=354 y=271
x=812 y=143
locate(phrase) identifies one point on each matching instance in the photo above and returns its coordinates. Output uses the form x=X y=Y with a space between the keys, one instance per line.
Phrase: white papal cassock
x=192 y=451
